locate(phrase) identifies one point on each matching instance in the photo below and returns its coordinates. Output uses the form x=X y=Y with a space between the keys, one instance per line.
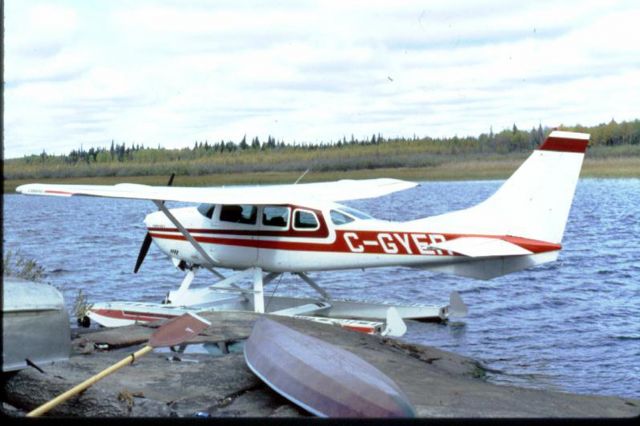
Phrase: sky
x=169 y=73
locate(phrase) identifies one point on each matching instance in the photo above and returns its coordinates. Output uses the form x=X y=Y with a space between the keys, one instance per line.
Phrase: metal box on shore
x=35 y=324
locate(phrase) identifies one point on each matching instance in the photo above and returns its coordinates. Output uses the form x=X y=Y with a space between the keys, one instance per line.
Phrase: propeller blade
x=170 y=182
x=147 y=239
x=143 y=252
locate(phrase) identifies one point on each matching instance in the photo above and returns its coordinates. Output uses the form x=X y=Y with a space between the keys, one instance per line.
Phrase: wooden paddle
x=173 y=332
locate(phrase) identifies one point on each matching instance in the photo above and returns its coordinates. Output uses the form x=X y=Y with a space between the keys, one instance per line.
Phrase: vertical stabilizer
x=533 y=203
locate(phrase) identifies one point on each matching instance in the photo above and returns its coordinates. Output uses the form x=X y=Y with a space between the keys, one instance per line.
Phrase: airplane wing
x=481 y=247
x=341 y=190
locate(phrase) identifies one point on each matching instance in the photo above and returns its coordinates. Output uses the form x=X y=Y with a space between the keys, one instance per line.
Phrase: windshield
x=207 y=210
x=344 y=214
x=355 y=213
x=339 y=218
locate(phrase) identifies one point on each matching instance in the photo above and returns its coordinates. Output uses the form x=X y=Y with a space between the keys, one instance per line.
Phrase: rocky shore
x=210 y=378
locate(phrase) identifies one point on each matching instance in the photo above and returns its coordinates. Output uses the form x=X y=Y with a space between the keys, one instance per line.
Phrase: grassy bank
x=608 y=167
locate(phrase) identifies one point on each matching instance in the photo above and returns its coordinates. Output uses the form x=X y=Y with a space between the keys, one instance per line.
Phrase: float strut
x=316 y=287
x=258 y=293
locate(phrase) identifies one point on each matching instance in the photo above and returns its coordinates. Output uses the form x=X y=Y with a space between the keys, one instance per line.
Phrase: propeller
x=146 y=243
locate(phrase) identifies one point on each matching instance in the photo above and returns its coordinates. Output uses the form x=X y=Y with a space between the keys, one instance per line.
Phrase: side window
x=206 y=210
x=239 y=214
x=304 y=219
x=339 y=219
x=275 y=216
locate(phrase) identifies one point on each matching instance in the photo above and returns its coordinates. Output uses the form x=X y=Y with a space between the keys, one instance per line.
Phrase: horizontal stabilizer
x=481 y=247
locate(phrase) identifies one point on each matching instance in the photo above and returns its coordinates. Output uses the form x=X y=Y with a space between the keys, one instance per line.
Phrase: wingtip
x=26 y=188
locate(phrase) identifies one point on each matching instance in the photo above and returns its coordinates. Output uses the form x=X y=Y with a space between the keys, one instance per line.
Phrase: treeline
x=204 y=157
x=117 y=152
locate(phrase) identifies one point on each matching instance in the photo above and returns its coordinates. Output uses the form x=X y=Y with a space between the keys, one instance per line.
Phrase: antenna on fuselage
x=301 y=176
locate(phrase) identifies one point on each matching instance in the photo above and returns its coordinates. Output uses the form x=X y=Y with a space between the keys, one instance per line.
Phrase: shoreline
x=617 y=167
x=440 y=384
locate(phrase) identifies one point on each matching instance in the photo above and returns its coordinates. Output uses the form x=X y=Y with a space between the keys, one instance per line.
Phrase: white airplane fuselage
x=320 y=241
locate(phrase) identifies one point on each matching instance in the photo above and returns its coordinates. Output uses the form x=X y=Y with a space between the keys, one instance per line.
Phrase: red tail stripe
x=564 y=144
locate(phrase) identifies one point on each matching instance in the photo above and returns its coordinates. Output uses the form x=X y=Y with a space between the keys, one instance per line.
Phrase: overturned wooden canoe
x=322 y=378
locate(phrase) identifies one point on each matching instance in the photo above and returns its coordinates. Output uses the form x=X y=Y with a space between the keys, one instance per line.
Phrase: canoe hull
x=322 y=378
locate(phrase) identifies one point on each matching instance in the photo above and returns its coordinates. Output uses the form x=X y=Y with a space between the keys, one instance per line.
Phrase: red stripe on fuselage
x=534 y=246
x=365 y=242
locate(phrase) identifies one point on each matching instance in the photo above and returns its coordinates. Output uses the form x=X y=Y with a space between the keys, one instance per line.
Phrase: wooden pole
x=176 y=330
x=84 y=385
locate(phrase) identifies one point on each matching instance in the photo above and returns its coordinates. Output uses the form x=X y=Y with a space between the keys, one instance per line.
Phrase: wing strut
x=187 y=235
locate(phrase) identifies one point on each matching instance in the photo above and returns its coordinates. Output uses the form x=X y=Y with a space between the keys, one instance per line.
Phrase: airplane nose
x=146 y=243
x=152 y=220
x=155 y=219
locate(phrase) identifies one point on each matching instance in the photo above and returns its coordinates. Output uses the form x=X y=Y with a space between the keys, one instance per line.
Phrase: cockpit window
x=338 y=218
x=239 y=213
x=206 y=210
x=355 y=213
x=275 y=216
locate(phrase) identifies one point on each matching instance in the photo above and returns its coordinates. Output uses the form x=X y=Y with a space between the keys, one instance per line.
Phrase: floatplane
x=261 y=232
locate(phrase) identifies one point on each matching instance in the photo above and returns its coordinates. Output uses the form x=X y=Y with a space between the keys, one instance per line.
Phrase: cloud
x=48 y=27
x=172 y=72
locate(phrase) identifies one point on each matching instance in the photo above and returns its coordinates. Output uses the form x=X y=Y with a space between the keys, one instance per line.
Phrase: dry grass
x=618 y=167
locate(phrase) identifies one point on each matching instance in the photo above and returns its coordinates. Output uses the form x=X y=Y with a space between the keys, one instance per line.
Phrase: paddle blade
x=143 y=252
x=178 y=330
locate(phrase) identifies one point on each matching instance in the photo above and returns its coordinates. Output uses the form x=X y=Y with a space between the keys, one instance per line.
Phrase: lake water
x=572 y=325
